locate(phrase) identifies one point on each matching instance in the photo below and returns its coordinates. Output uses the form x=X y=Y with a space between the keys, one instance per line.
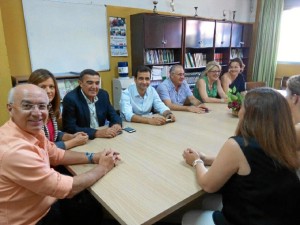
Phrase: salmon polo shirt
x=28 y=184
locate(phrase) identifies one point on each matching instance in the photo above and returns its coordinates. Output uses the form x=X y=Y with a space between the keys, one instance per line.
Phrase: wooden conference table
x=152 y=180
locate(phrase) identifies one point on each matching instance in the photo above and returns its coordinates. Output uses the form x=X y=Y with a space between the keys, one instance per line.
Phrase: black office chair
x=254 y=84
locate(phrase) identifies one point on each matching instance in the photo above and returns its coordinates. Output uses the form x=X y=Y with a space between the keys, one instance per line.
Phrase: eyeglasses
x=31 y=107
x=180 y=74
x=215 y=71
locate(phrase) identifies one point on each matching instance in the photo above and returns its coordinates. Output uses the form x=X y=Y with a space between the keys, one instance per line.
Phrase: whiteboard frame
x=63 y=36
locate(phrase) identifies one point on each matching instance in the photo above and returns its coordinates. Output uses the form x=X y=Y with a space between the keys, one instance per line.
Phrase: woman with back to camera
x=255 y=170
x=46 y=80
x=208 y=86
x=234 y=76
x=293 y=98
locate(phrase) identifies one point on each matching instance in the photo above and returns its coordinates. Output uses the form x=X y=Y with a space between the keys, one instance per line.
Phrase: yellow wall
x=5 y=81
x=15 y=36
x=285 y=70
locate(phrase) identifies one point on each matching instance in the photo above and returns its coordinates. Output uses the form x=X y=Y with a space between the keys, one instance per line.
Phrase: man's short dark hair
x=88 y=72
x=141 y=69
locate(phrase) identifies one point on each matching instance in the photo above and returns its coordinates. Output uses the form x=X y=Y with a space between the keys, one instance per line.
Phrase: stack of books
x=236 y=53
x=196 y=60
x=219 y=57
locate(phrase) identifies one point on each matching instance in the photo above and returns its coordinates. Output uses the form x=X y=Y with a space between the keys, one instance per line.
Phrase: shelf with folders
x=197 y=58
x=160 y=56
x=194 y=60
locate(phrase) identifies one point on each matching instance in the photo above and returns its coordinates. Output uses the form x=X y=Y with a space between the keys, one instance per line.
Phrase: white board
x=66 y=36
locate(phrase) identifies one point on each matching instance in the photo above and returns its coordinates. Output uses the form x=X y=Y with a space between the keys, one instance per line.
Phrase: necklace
x=46 y=130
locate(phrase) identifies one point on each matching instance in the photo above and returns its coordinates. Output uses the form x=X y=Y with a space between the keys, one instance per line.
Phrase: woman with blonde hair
x=46 y=80
x=255 y=170
x=208 y=87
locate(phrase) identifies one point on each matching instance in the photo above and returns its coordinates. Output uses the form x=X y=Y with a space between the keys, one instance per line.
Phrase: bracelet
x=90 y=157
x=197 y=161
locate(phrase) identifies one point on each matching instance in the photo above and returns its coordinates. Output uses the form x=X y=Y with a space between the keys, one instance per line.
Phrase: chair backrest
x=283 y=82
x=254 y=84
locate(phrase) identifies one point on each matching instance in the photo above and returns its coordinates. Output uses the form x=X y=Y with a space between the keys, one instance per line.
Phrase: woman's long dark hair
x=267 y=118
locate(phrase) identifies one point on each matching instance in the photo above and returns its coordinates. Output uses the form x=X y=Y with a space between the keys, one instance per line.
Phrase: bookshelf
x=198 y=47
x=207 y=40
x=160 y=41
x=241 y=42
x=156 y=42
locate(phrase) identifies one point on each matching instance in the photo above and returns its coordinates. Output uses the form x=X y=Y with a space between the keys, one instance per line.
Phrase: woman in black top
x=255 y=171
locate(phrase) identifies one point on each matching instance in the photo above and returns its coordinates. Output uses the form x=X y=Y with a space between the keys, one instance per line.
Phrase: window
x=289 y=40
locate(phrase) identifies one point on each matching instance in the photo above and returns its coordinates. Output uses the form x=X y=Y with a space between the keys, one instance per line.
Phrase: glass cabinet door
x=222 y=39
x=199 y=34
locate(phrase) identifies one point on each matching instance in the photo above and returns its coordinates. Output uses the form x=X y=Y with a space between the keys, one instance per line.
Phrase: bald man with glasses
x=29 y=186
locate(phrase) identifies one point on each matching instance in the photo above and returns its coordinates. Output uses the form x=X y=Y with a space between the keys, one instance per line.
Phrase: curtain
x=265 y=58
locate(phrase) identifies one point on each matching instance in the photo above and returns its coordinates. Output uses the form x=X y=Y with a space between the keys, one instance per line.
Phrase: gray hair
x=173 y=68
x=11 y=95
x=293 y=84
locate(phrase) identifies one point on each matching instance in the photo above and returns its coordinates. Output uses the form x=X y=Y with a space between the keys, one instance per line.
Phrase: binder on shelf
x=190 y=57
x=158 y=56
x=66 y=85
x=156 y=73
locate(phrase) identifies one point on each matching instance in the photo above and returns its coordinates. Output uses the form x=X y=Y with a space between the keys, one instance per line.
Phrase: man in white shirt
x=138 y=100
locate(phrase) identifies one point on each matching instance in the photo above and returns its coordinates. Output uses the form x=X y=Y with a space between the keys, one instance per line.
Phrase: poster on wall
x=118 y=44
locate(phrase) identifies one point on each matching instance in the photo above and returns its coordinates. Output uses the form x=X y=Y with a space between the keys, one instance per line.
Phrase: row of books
x=159 y=72
x=159 y=56
x=194 y=60
x=236 y=53
x=218 y=57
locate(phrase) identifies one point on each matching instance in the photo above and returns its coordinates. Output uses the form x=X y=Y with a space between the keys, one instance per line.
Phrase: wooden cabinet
x=214 y=40
x=198 y=47
x=241 y=42
x=162 y=41
x=156 y=40
x=162 y=31
x=237 y=35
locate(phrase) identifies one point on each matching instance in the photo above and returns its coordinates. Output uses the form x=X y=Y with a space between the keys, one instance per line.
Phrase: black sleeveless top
x=269 y=195
x=238 y=83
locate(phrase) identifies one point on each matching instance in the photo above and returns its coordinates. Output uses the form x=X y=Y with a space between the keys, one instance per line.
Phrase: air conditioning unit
x=119 y=85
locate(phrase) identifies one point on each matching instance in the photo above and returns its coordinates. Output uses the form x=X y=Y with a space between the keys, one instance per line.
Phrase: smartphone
x=129 y=129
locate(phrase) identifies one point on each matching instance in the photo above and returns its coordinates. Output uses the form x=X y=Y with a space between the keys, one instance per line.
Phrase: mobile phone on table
x=129 y=129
